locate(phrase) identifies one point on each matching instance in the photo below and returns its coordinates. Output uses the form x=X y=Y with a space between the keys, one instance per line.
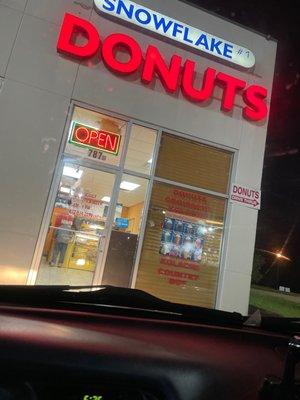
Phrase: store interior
x=78 y=229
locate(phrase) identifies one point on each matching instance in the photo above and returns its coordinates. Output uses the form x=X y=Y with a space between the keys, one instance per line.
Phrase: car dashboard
x=79 y=355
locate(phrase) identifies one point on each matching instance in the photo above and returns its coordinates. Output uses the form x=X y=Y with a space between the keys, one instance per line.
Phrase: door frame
x=116 y=170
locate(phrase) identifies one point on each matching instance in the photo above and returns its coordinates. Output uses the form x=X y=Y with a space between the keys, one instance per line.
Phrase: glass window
x=140 y=150
x=96 y=136
x=77 y=227
x=194 y=164
x=126 y=230
x=181 y=249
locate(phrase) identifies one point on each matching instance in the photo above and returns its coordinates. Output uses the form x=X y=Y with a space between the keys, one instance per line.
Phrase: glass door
x=125 y=234
x=78 y=227
x=91 y=231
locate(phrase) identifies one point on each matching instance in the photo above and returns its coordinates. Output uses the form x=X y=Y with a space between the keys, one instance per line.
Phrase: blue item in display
x=168 y=224
x=166 y=236
x=177 y=238
x=175 y=251
x=188 y=228
x=178 y=225
x=199 y=230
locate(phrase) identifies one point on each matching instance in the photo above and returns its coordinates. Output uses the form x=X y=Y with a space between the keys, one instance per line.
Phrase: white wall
x=38 y=85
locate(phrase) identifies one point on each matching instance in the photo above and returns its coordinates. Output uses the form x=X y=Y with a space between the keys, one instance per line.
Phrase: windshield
x=153 y=148
x=275 y=282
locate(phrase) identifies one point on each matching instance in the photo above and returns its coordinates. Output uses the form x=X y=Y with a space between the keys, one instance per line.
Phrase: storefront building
x=132 y=147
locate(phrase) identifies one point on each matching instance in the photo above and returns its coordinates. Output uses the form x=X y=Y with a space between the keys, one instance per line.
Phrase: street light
x=279 y=257
x=278 y=254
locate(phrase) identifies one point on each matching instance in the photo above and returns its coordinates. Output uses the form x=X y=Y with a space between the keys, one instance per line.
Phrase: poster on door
x=87 y=206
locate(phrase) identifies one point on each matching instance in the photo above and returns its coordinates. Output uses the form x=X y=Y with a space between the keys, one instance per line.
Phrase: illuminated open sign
x=86 y=136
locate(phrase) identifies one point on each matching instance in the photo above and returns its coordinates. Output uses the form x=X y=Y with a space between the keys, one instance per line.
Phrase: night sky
x=279 y=219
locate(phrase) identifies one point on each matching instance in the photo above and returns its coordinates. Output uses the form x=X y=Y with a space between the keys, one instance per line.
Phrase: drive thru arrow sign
x=245 y=196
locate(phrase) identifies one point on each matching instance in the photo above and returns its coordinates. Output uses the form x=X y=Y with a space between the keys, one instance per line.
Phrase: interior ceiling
x=94 y=118
x=101 y=184
x=140 y=149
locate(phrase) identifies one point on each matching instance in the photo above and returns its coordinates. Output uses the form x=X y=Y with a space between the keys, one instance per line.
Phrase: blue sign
x=122 y=223
x=146 y=18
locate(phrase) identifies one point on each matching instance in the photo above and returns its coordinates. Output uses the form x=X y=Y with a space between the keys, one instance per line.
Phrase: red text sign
x=92 y=138
x=246 y=196
x=177 y=73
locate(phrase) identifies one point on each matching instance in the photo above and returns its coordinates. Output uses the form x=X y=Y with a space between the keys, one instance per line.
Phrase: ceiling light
x=81 y=262
x=106 y=199
x=150 y=161
x=64 y=189
x=72 y=172
x=129 y=186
